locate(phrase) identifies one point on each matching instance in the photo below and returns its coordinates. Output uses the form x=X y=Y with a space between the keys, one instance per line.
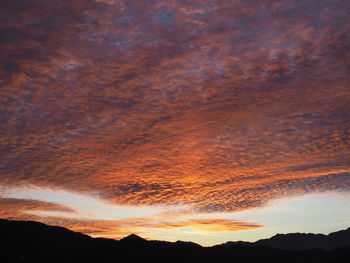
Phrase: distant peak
x=187 y=243
x=133 y=237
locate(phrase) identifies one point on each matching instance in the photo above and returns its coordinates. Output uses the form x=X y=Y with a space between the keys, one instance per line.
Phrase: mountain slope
x=302 y=241
x=37 y=242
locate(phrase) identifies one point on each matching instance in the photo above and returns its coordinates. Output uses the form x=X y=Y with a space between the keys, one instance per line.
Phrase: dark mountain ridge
x=26 y=241
x=300 y=241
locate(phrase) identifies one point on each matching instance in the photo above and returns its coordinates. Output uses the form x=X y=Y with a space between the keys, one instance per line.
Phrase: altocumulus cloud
x=216 y=105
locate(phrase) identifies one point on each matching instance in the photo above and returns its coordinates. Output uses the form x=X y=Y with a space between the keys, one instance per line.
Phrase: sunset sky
x=198 y=120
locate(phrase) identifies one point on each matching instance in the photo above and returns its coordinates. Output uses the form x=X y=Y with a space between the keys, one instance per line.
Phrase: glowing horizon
x=100 y=218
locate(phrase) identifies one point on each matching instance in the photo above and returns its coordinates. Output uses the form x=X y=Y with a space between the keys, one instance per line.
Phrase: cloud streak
x=24 y=209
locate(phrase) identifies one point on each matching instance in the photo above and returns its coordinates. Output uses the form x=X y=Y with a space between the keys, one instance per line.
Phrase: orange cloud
x=210 y=225
x=121 y=228
x=23 y=209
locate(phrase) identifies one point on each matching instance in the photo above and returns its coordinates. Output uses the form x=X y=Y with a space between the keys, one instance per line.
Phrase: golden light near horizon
x=319 y=212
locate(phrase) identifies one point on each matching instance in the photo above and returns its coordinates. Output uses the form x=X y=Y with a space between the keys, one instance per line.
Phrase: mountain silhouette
x=27 y=241
x=300 y=241
x=133 y=238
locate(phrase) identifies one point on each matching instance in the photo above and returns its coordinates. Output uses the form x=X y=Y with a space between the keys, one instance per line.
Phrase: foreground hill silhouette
x=301 y=241
x=25 y=241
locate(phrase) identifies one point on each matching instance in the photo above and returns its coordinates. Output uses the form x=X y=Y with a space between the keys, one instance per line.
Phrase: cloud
x=217 y=105
x=210 y=225
x=24 y=209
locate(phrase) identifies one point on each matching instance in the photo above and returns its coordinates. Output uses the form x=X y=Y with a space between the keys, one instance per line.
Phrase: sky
x=204 y=121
